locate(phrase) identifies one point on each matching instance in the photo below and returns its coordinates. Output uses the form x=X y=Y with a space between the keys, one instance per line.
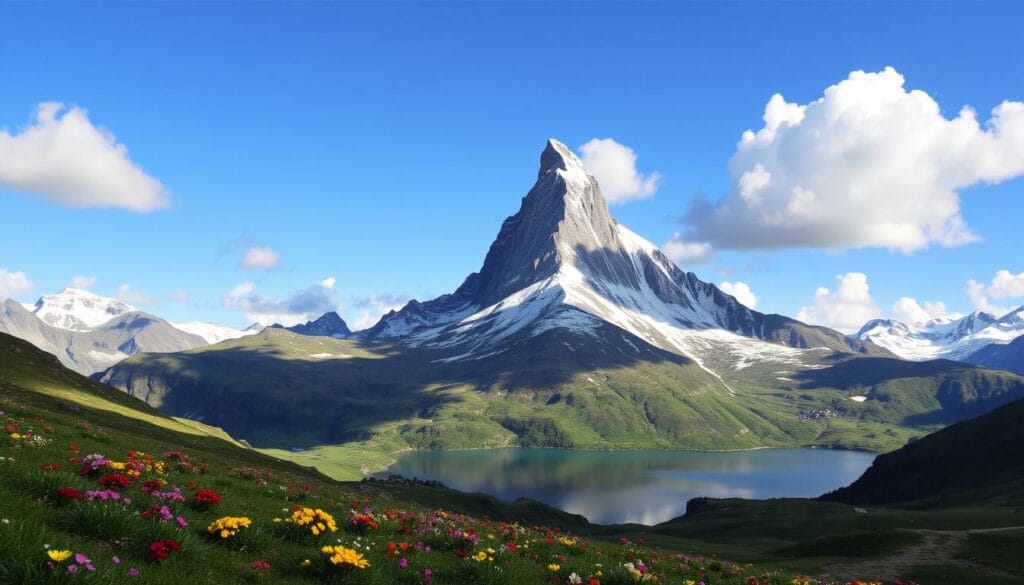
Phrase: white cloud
x=260 y=258
x=369 y=310
x=179 y=295
x=1004 y=285
x=908 y=310
x=614 y=167
x=127 y=294
x=64 y=158
x=82 y=282
x=684 y=252
x=846 y=308
x=741 y=291
x=299 y=307
x=868 y=164
x=328 y=282
x=14 y=284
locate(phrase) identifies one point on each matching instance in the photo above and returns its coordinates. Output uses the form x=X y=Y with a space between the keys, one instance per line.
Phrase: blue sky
x=383 y=144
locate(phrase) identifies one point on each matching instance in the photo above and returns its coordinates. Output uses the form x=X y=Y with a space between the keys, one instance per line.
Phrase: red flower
x=151 y=485
x=161 y=549
x=67 y=494
x=112 y=480
x=207 y=497
x=461 y=553
x=50 y=466
x=260 y=565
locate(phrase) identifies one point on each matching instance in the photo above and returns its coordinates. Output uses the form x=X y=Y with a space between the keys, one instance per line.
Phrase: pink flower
x=81 y=559
x=403 y=562
x=182 y=522
x=133 y=572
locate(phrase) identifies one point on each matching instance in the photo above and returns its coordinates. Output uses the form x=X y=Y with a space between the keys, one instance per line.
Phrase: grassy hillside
x=346 y=406
x=972 y=461
x=62 y=523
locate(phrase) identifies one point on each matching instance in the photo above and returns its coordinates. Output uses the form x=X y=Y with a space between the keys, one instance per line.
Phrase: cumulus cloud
x=684 y=252
x=13 y=284
x=846 y=308
x=82 y=282
x=868 y=164
x=614 y=167
x=908 y=310
x=132 y=296
x=369 y=310
x=741 y=291
x=1004 y=285
x=260 y=258
x=64 y=158
x=299 y=307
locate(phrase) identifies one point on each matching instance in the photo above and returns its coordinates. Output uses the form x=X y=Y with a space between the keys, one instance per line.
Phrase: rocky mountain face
x=954 y=337
x=1000 y=356
x=99 y=347
x=327 y=325
x=563 y=261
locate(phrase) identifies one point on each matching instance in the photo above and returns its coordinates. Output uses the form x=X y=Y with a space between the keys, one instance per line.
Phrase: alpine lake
x=645 y=487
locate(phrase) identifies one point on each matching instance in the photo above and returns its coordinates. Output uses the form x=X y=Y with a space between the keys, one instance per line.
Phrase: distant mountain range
x=979 y=338
x=327 y=325
x=575 y=332
x=89 y=333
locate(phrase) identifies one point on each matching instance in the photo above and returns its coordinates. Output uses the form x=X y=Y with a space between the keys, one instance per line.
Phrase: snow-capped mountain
x=100 y=347
x=78 y=310
x=952 y=337
x=327 y=325
x=214 y=333
x=562 y=261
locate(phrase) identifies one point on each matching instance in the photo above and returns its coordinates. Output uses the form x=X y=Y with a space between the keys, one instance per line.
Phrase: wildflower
x=72 y=569
x=339 y=555
x=82 y=559
x=161 y=549
x=575 y=579
x=317 y=520
x=480 y=556
x=428 y=575
x=111 y=480
x=206 y=498
x=67 y=494
x=133 y=572
x=228 y=526
x=305 y=564
x=403 y=562
x=554 y=568
x=260 y=565
x=58 y=556
x=116 y=560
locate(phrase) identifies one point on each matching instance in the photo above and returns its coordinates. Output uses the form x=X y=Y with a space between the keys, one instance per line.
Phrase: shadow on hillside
x=270 y=396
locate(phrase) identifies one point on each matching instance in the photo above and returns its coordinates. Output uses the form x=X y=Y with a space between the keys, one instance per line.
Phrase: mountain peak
x=557 y=156
x=77 y=309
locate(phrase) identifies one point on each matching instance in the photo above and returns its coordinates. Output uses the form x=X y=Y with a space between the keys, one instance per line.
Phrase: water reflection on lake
x=647 y=487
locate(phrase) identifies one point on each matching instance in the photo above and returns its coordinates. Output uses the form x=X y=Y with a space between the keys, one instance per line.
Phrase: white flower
x=575 y=579
x=5 y=521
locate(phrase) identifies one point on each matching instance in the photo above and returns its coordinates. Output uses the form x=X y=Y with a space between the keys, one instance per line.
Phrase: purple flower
x=133 y=572
x=117 y=560
x=91 y=567
x=403 y=562
x=81 y=559
x=72 y=569
x=182 y=522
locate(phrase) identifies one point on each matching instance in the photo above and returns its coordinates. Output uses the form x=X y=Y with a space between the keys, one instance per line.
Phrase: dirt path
x=936 y=547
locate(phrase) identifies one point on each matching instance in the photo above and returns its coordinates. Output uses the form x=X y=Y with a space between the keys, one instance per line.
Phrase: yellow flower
x=554 y=568
x=15 y=436
x=116 y=465
x=481 y=556
x=317 y=520
x=228 y=526
x=339 y=555
x=58 y=556
x=305 y=564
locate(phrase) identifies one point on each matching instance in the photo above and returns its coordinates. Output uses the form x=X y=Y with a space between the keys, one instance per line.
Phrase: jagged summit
x=329 y=324
x=951 y=337
x=562 y=261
